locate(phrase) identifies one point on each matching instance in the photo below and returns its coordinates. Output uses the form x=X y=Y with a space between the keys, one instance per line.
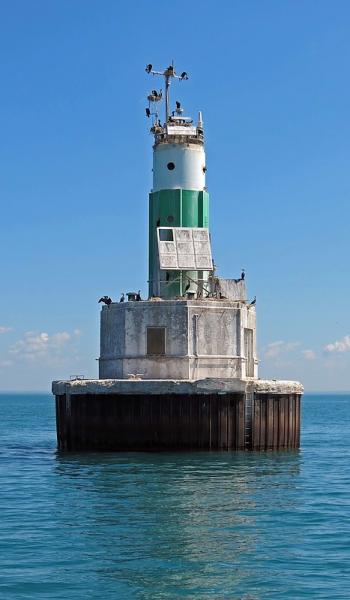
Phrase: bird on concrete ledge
x=106 y=300
x=138 y=296
x=253 y=302
x=122 y=297
x=242 y=277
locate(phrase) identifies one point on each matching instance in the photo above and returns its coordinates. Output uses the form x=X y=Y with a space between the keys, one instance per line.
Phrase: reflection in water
x=179 y=524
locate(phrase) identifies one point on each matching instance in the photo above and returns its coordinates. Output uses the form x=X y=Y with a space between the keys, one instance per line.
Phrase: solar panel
x=184 y=249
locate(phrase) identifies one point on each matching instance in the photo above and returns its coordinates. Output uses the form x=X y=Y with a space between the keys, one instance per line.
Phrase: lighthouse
x=179 y=201
x=178 y=369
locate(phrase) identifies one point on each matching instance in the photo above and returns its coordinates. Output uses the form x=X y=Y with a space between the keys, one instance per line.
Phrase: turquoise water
x=147 y=526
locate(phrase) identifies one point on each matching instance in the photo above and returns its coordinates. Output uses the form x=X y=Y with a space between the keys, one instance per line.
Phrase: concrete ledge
x=173 y=386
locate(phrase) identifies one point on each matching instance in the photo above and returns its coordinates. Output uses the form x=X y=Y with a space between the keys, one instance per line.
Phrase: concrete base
x=209 y=414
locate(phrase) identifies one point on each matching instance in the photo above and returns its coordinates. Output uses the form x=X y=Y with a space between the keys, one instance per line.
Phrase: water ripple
x=247 y=526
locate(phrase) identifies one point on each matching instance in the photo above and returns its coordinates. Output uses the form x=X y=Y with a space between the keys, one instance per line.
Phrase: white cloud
x=42 y=346
x=275 y=349
x=342 y=345
x=309 y=354
x=5 y=329
x=5 y=363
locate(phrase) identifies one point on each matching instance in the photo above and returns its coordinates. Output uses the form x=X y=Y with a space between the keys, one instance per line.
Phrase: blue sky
x=272 y=80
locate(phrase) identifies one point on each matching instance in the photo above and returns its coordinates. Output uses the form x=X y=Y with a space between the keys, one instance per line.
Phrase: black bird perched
x=253 y=301
x=184 y=75
x=187 y=287
x=148 y=68
x=122 y=297
x=148 y=112
x=243 y=274
x=138 y=296
x=179 y=109
x=106 y=300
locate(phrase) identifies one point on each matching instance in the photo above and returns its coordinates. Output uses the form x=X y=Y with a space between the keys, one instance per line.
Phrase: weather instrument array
x=154 y=97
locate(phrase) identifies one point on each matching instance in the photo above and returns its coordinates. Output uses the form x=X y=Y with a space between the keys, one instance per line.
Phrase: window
x=166 y=235
x=171 y=166
x=156 y=340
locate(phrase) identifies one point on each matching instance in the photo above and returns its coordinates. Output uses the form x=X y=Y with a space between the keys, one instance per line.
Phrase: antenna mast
x=168 y=74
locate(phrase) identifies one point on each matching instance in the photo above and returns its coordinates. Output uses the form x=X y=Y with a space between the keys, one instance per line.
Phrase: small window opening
x=156 y=340
x=171 y=166
x=166 y=235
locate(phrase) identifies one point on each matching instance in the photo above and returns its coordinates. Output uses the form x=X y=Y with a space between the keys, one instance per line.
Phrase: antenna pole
x=167 y=97
x=167 y=74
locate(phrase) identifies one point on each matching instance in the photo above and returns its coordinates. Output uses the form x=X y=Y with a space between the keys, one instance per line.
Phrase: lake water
x=175 y=525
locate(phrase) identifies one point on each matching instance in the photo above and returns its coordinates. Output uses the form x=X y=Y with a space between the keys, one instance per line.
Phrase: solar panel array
x=184 y=249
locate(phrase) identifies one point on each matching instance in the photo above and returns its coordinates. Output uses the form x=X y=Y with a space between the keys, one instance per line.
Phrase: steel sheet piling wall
x=216 y=421
x=276 y=421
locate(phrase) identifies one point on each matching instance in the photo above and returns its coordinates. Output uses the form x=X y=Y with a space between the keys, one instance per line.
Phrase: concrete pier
x=153 y=415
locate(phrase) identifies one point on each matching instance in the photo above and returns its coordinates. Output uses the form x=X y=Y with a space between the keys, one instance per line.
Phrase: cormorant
x=184 y=75
x=187 y=288
x=148 y=68
x=243 y=275
x=148 y=112
x=138 y=296
x=253 y=301
x=122 y=297
x=106 y=300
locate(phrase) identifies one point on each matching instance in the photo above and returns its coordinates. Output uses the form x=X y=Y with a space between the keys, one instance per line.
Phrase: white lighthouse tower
x=179 y=248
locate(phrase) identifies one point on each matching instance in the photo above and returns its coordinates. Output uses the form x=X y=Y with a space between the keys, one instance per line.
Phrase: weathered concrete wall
x=204 y=338
x=232 y=289
x=175 y=386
